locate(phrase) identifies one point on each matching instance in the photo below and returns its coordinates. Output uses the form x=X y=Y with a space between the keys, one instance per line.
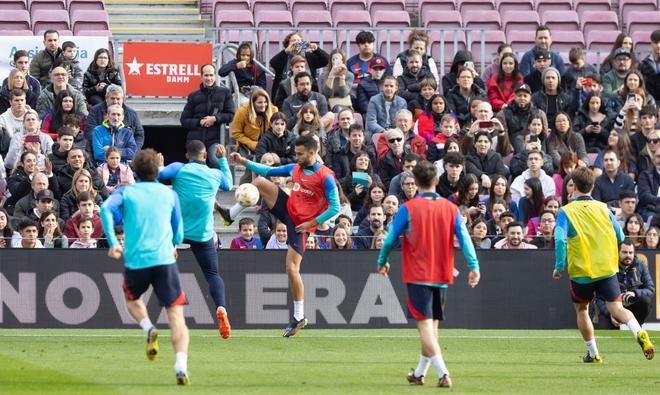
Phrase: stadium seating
x=442 y=19
x=599 y=20
x=592 y=5
x=488 y=20
x=642 y=20
x=475 y=5
x=343 y=5
x=553 y=5
x=601 y=40
x=43 y=20
x=627 y=6
x=521 y=40
x=269 y=5
x=397 y=40
x=312 y=5
x=425 y=6
x=273 y=18
x=89 y=20
x=514 y=5
x=312 y=18
x=390 y=18
x=13 y=5
x=34 y=5
x=227 y=5
x=386 y=5
x=560 y=20
x=15 y=20
x=351 y=18
x=520 y=20
x=564 y=40
x=642 y=40
x=492 y=39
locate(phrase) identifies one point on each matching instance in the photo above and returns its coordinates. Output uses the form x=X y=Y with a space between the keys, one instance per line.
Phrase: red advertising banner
x=164 y=69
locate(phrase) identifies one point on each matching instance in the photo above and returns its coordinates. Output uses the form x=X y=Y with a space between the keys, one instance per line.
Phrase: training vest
x=307 y=200
x=593 y=252
x=428 y=248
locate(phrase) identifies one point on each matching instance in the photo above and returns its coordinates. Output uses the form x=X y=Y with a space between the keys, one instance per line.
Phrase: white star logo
x=134 y=67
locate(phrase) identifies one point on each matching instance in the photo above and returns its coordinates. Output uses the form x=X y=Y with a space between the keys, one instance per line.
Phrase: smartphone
x=588 y=82
x=533 y=138
x=595 y=124
x=469 y=64
x=632 y=99
x=32 y=138
x=485 y=124
x=336 y=61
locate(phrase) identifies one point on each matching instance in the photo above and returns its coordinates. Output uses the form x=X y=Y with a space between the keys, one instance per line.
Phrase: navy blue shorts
x=163 y=278
x=426 y=302
x=281 y=212
x=607 y=288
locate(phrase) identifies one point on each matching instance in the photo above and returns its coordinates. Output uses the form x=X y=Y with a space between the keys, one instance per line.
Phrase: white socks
x=298 y=309
x=634 y=326
x=439 y=365
x=181 y=364
x=235 y=210
x=422 y=366
x=146 y=324
x=591 y=347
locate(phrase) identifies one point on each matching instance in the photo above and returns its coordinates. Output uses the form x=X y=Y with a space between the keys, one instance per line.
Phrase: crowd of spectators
x=504 y=141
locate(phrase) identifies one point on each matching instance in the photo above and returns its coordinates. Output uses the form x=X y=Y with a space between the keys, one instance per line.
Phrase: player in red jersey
x=428 y=223
x=314 y=200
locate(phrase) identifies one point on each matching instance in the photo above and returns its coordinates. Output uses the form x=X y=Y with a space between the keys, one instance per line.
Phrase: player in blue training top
x=314 y=199
x=197 y=184
x=430 y=221
x=151 y=233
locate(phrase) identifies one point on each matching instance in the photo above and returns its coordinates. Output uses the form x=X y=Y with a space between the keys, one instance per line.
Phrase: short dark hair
x=411 y=157
x=611 y=151
x=508 y=214
x=278 y=116
x=15 y=93
x=84 y=197
x=194 y=148
x=513 y=224
x=51 y=31
x=627 y=242
x=68 y=44
x=119 y=230
x=542 y=28
x=20 y=53
x=648 y=110
x=583 y=179
x=424 y=172
x=548 y=212
x=245 y=221
x=26 y=222
x=356 y=127
x=655 y=36
x=145 y=164
x=300 y=75
x=627 y=194
x=364 y=37
x=71 y=120
x=454 y=158
x=539 y=153
x=373 y=205
x=340 y=216
x=65 y=131
x=575 y=54
x=308 y=142
x=82 y=219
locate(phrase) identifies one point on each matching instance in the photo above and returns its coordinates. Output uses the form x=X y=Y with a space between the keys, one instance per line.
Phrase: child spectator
x=311 y=243
x=479 y=233
x=68 y=59
x=278 y=240
x=76 y=122
x=429 y=123
x=574 y=76
x=50 y=234
x=309 y=116
x=378 y=239
x=468 y=196
x=113 y=172
x=28 y=235
x=5 y=229
x=119 y=233
x=85 y=229
x=86 y=208
x=246 y=240
x=428 y=88
x=534 y=225
x=341 y=238
x=495 y=210
x=446 y=129
x=323 y=235
x=277 y=140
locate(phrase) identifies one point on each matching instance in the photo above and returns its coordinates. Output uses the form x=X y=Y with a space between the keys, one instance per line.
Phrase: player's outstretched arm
x=561 y=236
x=261 y=169
x=168 y=172
x=226 y=179
x=399 y=224
x=111 y=213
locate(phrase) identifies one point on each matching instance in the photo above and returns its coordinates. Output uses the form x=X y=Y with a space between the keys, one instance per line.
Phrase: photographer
x=295 y=44
x=637 y=288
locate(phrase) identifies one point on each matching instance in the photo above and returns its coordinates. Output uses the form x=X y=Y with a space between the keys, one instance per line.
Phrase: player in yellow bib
x=586 y=241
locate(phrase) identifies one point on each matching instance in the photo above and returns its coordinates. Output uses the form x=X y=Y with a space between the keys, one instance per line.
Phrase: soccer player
x=586 y=237
x=151 y=216
x=197 y=184
x=428 y=223
x=314 y=199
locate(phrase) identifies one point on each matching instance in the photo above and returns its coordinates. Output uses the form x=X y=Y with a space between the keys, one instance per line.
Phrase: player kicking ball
x=151 y=232
x=314 y=200
x=432 y=222
x=196 y=184
x=586 y=236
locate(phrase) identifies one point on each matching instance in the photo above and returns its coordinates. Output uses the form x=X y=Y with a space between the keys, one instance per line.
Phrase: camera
x=302 y=46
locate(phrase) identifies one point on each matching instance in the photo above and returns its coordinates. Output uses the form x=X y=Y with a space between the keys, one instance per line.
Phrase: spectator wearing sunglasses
x=391 y=163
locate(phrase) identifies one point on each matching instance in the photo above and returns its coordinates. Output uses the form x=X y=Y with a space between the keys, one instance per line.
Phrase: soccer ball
x=247 y=195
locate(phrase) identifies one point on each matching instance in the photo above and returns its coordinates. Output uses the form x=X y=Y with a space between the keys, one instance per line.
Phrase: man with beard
x=542 y=42
x=613 y=79
x=514 y=239
x=303 y=95
x=362 y=239
x=636 y=286
x=514 y=116
x=412 y=75
x=341 y=161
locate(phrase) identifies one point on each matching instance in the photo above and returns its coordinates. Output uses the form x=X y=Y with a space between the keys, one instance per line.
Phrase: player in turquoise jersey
x=197 y=184
x=151 y=232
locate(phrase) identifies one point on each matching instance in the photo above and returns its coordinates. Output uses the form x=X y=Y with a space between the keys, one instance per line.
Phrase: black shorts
x=163 y=278
x=607 y=288
x=281 y=212
x=426 y=302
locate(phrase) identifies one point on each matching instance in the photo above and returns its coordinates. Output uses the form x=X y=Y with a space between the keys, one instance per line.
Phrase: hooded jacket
x=651 y=74
x=514 y=118
x=109 y=136
x=449 y=80
x=540 y=99
x=249 y=76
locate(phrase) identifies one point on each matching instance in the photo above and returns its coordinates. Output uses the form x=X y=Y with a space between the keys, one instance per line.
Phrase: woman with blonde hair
x=17 y=80
x=82 y=182
x=29 y=138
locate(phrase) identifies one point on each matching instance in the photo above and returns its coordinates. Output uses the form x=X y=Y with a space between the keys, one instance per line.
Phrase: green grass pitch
x=321 y=362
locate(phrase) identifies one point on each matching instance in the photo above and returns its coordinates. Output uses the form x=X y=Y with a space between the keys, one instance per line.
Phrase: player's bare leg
x=587 y=331
x=293 y=261
x=180 y=341
x=428 y=336
x=138 y=311
x=621 y=314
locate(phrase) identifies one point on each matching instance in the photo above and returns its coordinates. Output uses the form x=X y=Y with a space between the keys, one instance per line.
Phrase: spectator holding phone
x=295 y=44
x=627 y=120
x=575 y=76
x=337 y=81
x=29 y=138
x=594 y=122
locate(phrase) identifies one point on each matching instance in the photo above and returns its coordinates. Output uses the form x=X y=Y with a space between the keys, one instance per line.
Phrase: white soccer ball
x=247 y=195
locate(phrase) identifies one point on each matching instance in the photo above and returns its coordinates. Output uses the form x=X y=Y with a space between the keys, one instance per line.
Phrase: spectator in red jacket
x=501 y=86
